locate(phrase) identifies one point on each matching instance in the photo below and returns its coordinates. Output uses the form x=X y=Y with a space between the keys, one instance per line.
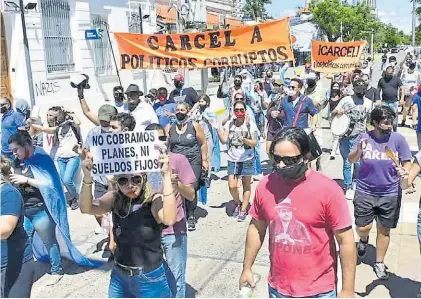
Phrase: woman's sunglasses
x=288 y=161
x=135 y=180
x=239 y=110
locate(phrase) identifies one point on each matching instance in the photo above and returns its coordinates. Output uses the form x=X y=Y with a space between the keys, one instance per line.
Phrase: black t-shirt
x=390 y=89
x=31 y=195
x=189 y=92
x=373 y=94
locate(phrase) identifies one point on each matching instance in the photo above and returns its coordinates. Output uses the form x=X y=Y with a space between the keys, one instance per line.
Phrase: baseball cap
x=279 y=82
x=179 y=77
x=134 y=88
x=106 y=112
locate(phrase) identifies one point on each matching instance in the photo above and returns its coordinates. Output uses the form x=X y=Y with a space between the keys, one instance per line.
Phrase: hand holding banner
x=263 y=43
x=332 y=57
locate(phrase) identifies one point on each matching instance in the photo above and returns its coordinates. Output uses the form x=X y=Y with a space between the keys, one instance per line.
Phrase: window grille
x=57 y=36
x=101 y=48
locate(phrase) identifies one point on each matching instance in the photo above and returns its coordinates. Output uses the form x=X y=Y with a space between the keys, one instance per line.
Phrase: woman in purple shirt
x=379 y=193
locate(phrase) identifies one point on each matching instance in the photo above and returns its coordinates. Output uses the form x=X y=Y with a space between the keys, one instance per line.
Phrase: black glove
x=80 y=92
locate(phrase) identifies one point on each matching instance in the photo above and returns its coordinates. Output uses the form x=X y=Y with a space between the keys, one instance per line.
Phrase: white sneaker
x=100 y=231
x=52 y=279
x=350 y=193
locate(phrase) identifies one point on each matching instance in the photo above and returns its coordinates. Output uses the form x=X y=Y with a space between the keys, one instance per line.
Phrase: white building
x=58 y=49
x=233 y=8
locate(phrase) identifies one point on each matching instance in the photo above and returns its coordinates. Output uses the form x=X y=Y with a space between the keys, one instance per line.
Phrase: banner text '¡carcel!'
x=339 y=51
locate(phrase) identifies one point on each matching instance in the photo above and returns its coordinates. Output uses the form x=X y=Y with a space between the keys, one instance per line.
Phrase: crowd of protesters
x=148 y=224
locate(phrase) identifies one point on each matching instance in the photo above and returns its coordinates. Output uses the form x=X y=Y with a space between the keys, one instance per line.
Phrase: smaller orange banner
x=332 y=57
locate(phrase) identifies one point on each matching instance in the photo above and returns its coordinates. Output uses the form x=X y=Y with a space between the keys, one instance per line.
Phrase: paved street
x=216 y=248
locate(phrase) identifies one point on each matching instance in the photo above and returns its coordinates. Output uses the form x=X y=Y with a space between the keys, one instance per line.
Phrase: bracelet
x=88 y=184
x=169 y=194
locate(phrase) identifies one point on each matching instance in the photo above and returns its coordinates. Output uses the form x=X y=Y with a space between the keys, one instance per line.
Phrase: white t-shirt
x=410 y=80
x=238 y=151
x=357 y=112
x=144 y=116
x=66 y=142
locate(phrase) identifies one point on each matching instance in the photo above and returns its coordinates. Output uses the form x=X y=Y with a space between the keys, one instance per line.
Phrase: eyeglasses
x=239 y=110
x=14 y=150
x=135 y=180
x=288 y=161
x=162 y=138
x=239 y=99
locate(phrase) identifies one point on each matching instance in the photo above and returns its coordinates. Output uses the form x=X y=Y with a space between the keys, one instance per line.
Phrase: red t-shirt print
x=301 y=222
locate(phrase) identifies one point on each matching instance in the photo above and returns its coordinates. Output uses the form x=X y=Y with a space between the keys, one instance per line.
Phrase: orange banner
x=331 y=57
x=263 y=43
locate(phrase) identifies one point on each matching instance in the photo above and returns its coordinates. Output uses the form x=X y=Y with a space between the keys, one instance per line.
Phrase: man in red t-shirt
x=304 y=211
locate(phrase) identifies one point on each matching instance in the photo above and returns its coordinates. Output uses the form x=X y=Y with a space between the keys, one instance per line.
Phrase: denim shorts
x=242 y=168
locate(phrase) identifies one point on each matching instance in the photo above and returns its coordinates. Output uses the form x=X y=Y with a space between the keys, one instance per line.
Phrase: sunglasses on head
x=135 y=180
x=239 y=110
x=288 y=161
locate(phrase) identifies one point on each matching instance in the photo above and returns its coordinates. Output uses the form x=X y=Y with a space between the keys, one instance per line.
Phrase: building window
x=57 y=36
x=134 y=22
x=101 y=47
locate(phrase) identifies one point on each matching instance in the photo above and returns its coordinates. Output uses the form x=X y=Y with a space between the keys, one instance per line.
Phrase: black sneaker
x=362 y=248
x=74 y=204
x=403 y=123
x=191 y=223
x=381 y=271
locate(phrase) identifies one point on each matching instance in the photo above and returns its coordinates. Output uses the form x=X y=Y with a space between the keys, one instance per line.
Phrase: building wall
x=54 y=89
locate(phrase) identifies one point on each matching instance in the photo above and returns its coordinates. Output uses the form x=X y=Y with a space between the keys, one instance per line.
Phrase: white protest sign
x=124 y=153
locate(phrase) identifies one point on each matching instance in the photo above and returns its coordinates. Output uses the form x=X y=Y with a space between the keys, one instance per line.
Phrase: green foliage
x=255 y=9
x=358 y=23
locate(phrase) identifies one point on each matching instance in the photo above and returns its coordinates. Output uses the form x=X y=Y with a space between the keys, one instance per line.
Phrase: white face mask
x=291 y=92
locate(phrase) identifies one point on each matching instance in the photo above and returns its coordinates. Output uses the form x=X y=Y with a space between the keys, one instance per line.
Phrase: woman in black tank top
x=187 y=138
x=138 y=216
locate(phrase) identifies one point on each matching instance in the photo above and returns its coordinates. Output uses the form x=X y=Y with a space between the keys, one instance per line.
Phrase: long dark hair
x=294 y=135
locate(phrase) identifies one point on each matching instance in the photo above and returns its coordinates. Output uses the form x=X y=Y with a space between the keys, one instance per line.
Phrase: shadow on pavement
x=340 y=182
x=397 y=286
x=190 y=291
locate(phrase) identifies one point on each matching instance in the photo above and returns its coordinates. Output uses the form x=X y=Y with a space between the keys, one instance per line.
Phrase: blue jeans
x=37 y=219
x=394 y=106
x=145 y=285
x=345 y=146
x=175 y=250
x=275 y=294
x=68 y=168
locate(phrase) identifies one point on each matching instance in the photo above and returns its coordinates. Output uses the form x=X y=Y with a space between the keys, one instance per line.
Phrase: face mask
x=360 y=89
x=161 y=99
x=4 y=109
x=384 y=132
x=180 y=116
x=178 y=84
x=291 y=92
x=237 y=83
x=388 y=76
x=293 y=172
x=132 y=104
x=239 y=114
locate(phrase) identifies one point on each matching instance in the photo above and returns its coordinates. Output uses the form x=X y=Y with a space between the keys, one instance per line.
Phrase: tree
x=255 y=9
x=357 y=20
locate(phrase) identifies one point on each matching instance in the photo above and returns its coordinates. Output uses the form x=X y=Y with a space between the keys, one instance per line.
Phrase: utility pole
x=372 y=45
x=145 y=84
x=342 y=38
x=414 y=6
x=27 y=56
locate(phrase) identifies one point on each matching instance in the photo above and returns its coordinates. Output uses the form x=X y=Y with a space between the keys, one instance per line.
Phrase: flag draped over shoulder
x=50 y=186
